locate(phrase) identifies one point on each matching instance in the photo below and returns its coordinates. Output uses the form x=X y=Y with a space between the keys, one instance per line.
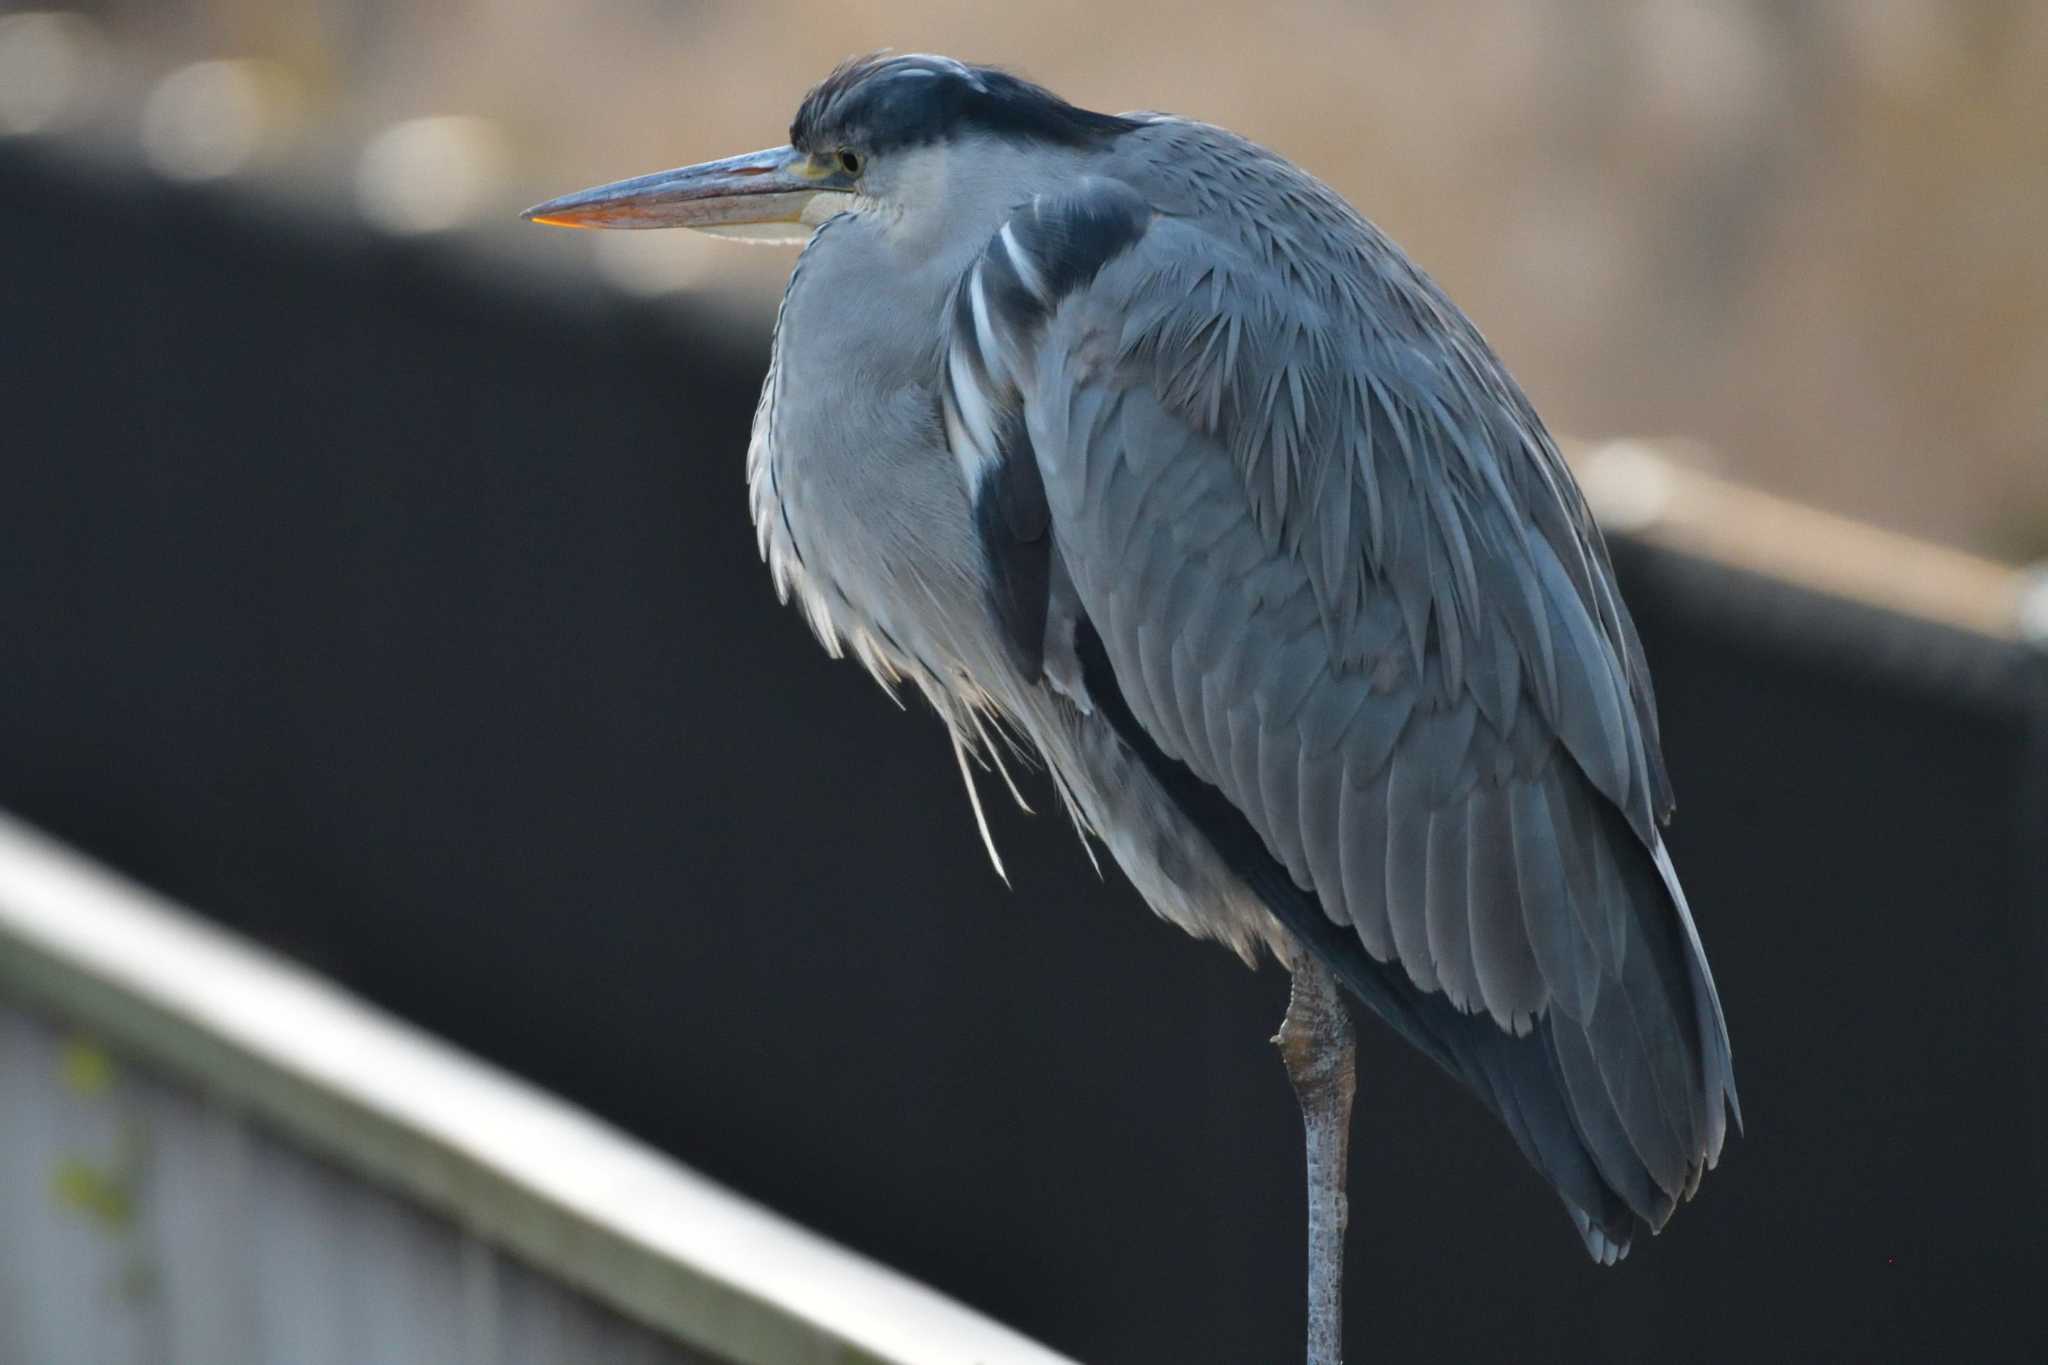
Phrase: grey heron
x=1125 y=436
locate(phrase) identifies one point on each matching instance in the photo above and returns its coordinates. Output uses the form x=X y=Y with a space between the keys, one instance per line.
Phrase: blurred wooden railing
x=210 y=1155
x=1646 y=491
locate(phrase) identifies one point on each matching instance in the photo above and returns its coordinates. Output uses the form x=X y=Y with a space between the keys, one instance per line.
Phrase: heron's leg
x=1321 y=1053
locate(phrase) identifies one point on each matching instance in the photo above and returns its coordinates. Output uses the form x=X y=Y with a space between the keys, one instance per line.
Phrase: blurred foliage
x=85 y=1066
x=1809 y=234
x=103 y=1192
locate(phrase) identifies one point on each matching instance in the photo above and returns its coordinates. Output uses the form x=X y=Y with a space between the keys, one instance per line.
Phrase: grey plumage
x=1129 y=436
x=1287 y=404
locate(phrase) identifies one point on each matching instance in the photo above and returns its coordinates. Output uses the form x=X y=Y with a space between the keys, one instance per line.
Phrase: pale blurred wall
x=1810 y=235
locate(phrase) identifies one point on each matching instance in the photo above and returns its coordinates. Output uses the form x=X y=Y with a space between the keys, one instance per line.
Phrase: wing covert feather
x=1339 y=572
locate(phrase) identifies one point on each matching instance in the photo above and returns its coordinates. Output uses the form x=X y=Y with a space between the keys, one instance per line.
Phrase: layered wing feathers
x=1340 y=574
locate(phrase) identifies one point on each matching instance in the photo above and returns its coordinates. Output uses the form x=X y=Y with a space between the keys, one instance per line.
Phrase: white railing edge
x=527 y=1171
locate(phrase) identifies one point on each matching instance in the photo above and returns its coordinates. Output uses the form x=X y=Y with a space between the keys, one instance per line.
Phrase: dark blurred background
x=377 y=579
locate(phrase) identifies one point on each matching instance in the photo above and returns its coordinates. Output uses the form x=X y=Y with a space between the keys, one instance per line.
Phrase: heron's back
x=1343 y=601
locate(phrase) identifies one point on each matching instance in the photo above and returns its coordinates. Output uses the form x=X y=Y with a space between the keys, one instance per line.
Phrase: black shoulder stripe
x=1019 y=485
x=1047 y=250
x=1013 y=522
x=1067 y=241
x=967 y=345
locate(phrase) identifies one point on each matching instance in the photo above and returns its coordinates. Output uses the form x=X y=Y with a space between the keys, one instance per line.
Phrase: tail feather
x=1619 y=1108
x=1554 y=1088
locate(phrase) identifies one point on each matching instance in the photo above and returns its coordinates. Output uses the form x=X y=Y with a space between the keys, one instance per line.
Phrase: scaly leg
x=1321 y=1052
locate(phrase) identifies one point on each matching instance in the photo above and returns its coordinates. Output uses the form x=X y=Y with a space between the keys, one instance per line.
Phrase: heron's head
x=915 y=139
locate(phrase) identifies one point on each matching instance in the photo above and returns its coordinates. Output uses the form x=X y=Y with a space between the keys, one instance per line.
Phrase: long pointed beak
x=775 y=194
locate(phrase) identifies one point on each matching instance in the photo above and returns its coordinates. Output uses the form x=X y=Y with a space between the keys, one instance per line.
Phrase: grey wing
x=1337 y=588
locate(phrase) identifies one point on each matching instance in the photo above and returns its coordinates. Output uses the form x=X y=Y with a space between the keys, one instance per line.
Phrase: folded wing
x=1332 y=582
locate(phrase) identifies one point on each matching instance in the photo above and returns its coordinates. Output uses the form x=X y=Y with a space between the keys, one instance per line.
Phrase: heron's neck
x=864 y=300
x=852 y=489
x=860 y=504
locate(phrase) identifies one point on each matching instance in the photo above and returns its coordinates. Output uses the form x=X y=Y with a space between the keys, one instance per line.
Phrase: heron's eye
x=849 y=162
